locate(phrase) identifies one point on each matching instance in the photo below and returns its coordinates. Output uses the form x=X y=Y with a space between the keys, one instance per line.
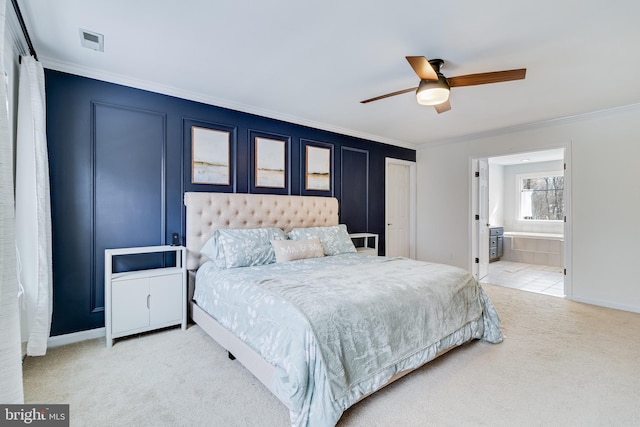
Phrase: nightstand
x=143 y=300
x=366 y=243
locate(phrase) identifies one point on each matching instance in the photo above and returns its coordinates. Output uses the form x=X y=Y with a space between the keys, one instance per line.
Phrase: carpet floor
x=562 y=364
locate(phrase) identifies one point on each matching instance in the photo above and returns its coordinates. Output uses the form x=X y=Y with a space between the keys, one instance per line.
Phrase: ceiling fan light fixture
x=434 y=87
x=433 y=92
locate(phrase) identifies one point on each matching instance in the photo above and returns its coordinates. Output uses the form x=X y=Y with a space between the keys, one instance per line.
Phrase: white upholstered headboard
x=207 y=212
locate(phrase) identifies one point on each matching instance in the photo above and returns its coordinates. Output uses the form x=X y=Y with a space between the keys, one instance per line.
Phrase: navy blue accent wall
x=129 y=187
x=354 y=194
x=120 y=162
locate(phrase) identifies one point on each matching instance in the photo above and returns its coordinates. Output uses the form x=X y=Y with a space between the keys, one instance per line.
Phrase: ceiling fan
x=434 y=87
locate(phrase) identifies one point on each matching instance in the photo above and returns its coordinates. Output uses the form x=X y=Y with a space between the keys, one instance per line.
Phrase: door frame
x=473 y=195
x=413 y=192
x=479 y=244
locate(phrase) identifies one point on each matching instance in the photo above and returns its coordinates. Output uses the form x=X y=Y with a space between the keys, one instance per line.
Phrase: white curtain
x=10 y=355
x=33 y=209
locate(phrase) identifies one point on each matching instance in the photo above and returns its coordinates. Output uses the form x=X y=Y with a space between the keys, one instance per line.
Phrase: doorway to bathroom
x=520 y=231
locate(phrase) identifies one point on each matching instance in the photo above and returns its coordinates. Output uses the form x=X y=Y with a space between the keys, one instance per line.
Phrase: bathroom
x=526 y=221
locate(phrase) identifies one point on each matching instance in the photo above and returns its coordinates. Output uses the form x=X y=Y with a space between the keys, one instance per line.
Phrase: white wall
x=511 y=221
x=604 y=175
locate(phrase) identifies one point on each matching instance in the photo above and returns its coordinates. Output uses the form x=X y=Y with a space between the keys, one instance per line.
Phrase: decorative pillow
x=335 y=240
x=232 y=247
x=247 y=247
x=290 y=250
x=213 y=250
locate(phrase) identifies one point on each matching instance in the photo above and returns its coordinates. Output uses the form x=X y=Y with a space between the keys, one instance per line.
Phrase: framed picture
x=210 y=156
x=270 y=161
x=318 y=168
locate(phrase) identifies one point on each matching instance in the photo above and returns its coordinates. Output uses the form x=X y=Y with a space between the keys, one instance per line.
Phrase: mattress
x=337 y=328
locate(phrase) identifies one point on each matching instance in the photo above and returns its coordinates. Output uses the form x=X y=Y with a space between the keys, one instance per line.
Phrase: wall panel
x=129 y=187
x=354 y=200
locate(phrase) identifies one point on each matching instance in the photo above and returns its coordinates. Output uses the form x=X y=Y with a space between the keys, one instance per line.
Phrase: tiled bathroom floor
x=542 y=279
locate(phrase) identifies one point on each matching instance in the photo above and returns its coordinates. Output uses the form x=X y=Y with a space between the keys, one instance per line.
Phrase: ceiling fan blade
x=421 y=66
x=441 y=108
x=485 y=78
x=400 y=92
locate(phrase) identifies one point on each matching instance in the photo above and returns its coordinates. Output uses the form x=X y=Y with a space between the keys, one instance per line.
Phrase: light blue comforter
x=337 y=328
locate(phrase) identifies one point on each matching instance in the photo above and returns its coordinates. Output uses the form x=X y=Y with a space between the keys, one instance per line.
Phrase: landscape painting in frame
x=270 y=162
x=318 y=169
x=210 y=156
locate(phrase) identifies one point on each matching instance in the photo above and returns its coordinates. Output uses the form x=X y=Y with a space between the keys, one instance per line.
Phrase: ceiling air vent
x=92 y=40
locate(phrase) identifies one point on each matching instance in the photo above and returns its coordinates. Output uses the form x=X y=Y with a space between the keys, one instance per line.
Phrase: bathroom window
x=541 y=196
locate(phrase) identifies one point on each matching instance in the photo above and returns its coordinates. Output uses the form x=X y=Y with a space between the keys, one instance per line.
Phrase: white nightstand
x=363 y=243
x=143 y=300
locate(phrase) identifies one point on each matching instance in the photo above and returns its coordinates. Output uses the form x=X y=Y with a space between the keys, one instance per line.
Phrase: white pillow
x=290 y=250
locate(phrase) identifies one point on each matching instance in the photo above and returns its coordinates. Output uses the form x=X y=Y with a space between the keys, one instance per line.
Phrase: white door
x=483 y=222
x=480 y=218
x=400 y=208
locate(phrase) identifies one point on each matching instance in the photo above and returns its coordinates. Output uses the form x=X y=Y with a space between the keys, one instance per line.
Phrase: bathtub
x=534 y=248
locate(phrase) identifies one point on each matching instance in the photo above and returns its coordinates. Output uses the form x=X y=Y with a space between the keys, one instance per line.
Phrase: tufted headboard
x=207 y=212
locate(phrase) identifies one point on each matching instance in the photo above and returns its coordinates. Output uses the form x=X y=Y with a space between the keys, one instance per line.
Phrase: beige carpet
x=562 y=364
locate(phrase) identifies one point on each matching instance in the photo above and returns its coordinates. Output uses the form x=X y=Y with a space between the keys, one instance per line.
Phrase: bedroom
x=599 y=129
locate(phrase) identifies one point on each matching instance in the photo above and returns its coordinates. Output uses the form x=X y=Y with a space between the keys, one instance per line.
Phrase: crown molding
x=120 y=79
x=531 y=126
x=94 y=73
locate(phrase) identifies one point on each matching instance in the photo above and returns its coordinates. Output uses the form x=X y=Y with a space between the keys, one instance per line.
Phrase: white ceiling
x=312 y=62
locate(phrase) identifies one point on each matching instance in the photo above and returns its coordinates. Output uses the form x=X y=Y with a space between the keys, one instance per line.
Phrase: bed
x=320 y=332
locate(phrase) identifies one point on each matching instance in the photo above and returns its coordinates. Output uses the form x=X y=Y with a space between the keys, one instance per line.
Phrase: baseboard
x=74 y=337
x=608 y=304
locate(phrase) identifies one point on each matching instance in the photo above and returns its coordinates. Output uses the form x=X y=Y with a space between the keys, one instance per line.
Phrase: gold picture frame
x=210 y=156
x=270 y=162
x=318 y=168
